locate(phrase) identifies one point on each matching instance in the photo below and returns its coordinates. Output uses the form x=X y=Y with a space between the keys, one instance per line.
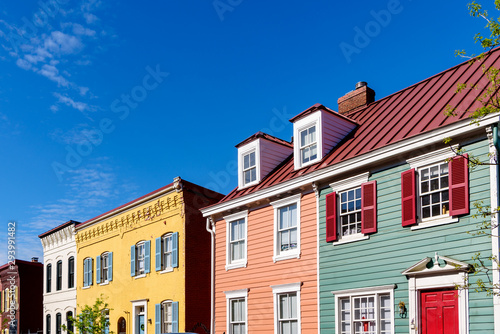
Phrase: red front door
x=439 y=312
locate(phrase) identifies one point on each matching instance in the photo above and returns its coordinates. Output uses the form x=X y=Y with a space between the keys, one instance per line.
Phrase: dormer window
x=317 y=130
x=249 y=168
x=258 y=155
x=308 y=145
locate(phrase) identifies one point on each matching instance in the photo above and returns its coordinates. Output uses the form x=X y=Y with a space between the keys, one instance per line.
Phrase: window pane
x=293 y=306
x=358 y=204
x=312 y=132
x=283 y=307
x=434 y=171
x=303 y=138
x=246 y=161
x=434 y=184
x=314 y=153
x=424 y=174
x=424 y=186
x=252 y=159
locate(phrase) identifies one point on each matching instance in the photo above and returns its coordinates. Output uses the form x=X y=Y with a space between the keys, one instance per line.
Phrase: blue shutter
x=175 y=317
x=132 y=260
x=175 y=243
x=158 y=319
x=158 y=254
x=91 y=268
x=110 y=266
x=98 y=269
x=147 y=261
x=85 y=270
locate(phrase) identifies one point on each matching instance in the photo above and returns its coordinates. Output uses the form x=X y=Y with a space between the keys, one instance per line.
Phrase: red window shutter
x=459 y=185
x=331 y=217
x=369 y=207
x=408 y=198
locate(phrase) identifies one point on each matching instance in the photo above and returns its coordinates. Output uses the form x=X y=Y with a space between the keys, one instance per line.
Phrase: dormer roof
x=266 y=136
x=319 y=106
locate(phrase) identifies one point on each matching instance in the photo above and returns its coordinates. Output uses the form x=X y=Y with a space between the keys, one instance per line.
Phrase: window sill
x=311 y=162
x=236 y=265
x=281 y=257
x=434 y=222
x=86 y=287
x=351 y=238
x=140 y=276
x=105 y=283
x=167 y=270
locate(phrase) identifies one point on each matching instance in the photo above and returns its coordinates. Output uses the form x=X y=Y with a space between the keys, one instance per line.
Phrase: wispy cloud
x=56 y=47
x=66 y=100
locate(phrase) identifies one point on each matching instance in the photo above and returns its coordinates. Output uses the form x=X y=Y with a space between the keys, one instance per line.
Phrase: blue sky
x=102 y=102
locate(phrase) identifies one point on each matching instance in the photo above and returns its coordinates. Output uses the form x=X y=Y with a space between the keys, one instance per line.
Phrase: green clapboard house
x=398 y=224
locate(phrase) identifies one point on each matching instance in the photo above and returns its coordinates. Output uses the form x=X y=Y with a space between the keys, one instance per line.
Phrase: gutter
x=211 y=230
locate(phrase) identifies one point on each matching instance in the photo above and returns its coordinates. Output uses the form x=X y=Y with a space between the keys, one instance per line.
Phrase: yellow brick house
x=150 y=260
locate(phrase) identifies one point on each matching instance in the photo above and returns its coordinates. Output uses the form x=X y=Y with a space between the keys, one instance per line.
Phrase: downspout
x=493 y=140
x=316 y=192
x=211 y=229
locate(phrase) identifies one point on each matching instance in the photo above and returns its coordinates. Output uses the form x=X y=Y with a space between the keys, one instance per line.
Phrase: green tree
x=488 y=97
x=91 y=320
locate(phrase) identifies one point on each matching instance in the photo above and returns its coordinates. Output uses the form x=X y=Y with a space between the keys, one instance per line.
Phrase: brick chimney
x=359 y=97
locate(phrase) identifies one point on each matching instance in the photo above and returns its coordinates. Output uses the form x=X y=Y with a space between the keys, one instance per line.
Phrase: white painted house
x=59 y=277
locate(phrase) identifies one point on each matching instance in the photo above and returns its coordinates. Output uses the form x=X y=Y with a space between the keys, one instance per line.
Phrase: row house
x=21 y=299
x=150 y=261
x=362 y=224
x=59 y=277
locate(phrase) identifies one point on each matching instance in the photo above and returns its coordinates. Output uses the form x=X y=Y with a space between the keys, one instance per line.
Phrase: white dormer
x=316 y=131
x=258 y=155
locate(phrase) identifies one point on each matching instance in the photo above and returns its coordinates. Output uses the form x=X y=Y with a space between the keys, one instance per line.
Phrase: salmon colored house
x=265 y=240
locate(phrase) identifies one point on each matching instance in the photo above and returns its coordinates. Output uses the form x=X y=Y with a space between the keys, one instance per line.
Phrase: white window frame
x=137 y=305
x=138 y=273
x=104 y=269
x=369 y=291
x=282 y=289
x=242 y=151
x=344 y=185
x=165 y=302
x=298 y=127
x=425 y=161
x=232 y=295
x=229 y=219
x=290 y=254
x=441 y=277
x=164 y=267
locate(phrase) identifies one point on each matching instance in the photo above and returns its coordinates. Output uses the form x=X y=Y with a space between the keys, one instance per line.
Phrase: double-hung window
x=434 y=193
x=166 y=253
x=87 y=271
x=287 y=308
x=236 y=306
x=308 y=145
x=140 y=258
x=58 y=323
x=287 y=228
x=236 y=240
x=351 y=209
x=367 y=310
x=48 y=324
x=59 y=275
x=71 y=272
x=249 y=168
x=104 y=267
x=48 y=277
x=167 y=317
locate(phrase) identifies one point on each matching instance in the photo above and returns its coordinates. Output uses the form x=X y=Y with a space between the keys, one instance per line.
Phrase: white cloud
x=90 y=18
x=81 y=106
x=52 y=73
x=83 y=90
x=62 y=43
x=25 y=65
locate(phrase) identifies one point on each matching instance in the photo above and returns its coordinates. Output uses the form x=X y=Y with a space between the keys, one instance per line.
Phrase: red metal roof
x=265 y=136
x=402 y=115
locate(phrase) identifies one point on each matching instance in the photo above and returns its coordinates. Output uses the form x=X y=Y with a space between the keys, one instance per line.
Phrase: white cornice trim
x=399 y=148
x=364 y=290
x=350 y=182
x=439 y=155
